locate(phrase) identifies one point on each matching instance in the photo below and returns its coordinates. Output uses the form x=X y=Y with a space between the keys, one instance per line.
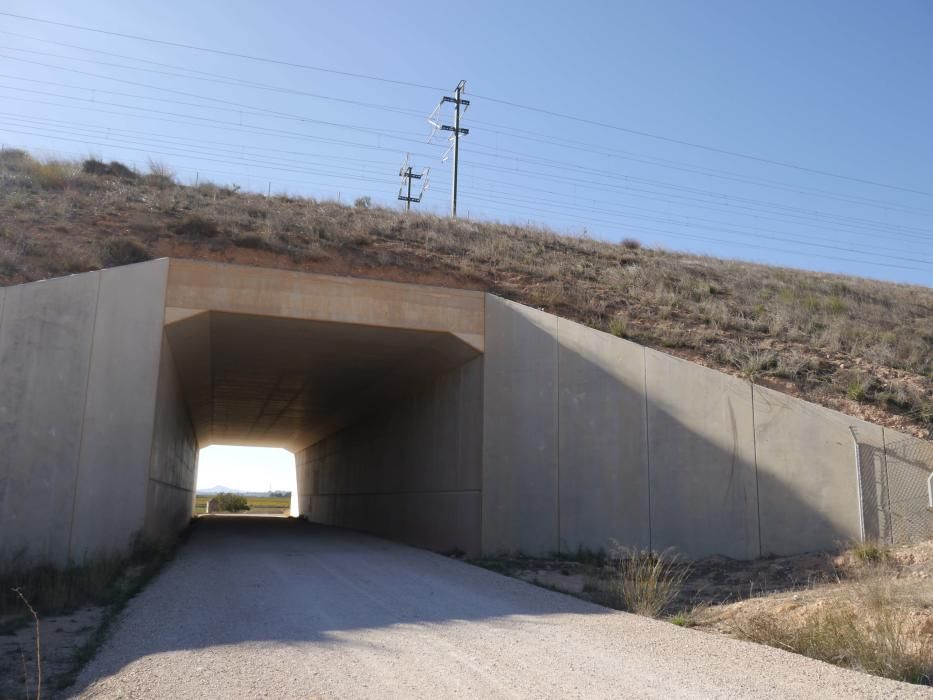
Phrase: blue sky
x=840 y=87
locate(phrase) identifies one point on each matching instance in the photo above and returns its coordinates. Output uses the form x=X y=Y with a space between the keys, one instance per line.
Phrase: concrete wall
x=590 y=439
x=172 y=472
x=410 y=471
x=77 y=371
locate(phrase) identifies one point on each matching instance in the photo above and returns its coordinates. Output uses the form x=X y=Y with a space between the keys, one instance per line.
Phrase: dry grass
x=641 y=581
x=869 y=629
x=818 y=336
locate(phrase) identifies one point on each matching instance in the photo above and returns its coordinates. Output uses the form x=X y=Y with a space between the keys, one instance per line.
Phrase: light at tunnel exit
x=249 y=469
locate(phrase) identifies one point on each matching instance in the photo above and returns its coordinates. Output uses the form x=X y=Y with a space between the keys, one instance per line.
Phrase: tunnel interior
x=385 y=422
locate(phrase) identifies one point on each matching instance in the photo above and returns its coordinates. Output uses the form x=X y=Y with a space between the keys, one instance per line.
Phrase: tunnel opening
x=262 y=479
x=384 y=424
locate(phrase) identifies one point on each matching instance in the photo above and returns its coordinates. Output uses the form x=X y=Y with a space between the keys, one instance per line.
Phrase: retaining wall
x=590 y=439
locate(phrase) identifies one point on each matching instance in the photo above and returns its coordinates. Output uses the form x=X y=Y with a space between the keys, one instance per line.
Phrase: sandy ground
x=258 y=607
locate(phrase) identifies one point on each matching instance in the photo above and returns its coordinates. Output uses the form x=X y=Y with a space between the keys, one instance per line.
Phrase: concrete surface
x=410 y=471
x=45 y=354
x=520 y=430
x=195 y=286
x=119 y=409
x=447 y=418
x=806 y=464
x=305 y=611
x=172 y=473
x=602 y=452
x=701 y=454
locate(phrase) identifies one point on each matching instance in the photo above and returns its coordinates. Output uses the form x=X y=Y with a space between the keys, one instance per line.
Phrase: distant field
x=264 y=505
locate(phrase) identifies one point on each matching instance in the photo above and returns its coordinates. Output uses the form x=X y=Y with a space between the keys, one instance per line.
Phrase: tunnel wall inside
x=172 y=471
x=410 y=471
x=79 y=358
x=591 y=440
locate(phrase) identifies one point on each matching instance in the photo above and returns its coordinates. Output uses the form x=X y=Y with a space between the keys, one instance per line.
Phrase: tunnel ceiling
x=259 y=380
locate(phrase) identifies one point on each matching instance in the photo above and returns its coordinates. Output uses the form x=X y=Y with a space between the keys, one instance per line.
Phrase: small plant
x=631 y=243
x=871 y=552
x=618 y=327
x=645 y=582
x=363 y=203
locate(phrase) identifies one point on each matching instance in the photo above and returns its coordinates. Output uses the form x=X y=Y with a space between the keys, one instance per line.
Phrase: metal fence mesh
x=894 y=489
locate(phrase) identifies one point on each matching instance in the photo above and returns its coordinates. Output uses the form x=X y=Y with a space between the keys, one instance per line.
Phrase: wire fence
x=894 y=488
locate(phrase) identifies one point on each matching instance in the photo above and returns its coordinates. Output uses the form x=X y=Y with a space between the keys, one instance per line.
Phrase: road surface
x=277 y=608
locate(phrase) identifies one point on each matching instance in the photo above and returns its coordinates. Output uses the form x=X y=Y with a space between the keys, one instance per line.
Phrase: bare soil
x=60 y=637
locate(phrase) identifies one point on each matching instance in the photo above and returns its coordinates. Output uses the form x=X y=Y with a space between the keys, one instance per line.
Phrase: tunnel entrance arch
x=362 y=381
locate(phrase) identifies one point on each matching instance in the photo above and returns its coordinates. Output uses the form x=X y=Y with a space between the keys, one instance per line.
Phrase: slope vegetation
x=859 y=346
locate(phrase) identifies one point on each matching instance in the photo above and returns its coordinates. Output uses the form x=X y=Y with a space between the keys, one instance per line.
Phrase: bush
x=92 y=166
x=631 y=243
x=197 y=227
x=123 y=251
x=363 y=203
x=231 y=503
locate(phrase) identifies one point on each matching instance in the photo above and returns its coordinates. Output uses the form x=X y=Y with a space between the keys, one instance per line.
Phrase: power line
x=222 y=52
x=536 y=137
x=712 y=149
x=215 y=78
x=280 y=133
x=504 y=102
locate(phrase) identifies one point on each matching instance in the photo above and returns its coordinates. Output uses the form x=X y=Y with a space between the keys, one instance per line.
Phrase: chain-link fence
x=894 y=488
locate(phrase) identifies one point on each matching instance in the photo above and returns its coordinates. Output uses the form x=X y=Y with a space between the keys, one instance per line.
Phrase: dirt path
x=276 y=608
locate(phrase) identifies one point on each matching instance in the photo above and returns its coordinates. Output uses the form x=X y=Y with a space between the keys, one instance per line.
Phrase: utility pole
x=406 y=172
x=460 y=105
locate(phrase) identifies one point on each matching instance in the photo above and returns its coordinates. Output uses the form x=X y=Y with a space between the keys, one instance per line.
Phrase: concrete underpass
x=449 y=419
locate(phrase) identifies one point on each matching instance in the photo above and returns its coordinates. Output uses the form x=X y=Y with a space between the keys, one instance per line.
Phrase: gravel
x=273 y=607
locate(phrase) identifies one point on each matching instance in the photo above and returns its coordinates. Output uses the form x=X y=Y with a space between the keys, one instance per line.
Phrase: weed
x=644 y=582
x=617 y=327
x=35 y=617
x=871 y=552
x=631 y=243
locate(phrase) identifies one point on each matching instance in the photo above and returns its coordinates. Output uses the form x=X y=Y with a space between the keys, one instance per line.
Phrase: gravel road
x=270 y=607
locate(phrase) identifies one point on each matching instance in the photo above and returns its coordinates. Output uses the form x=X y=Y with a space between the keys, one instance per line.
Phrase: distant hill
x=859 y=346
x=220 y=489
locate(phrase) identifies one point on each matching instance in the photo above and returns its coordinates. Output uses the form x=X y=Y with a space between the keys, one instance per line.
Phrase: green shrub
x=231 y=503
x=92 y=166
